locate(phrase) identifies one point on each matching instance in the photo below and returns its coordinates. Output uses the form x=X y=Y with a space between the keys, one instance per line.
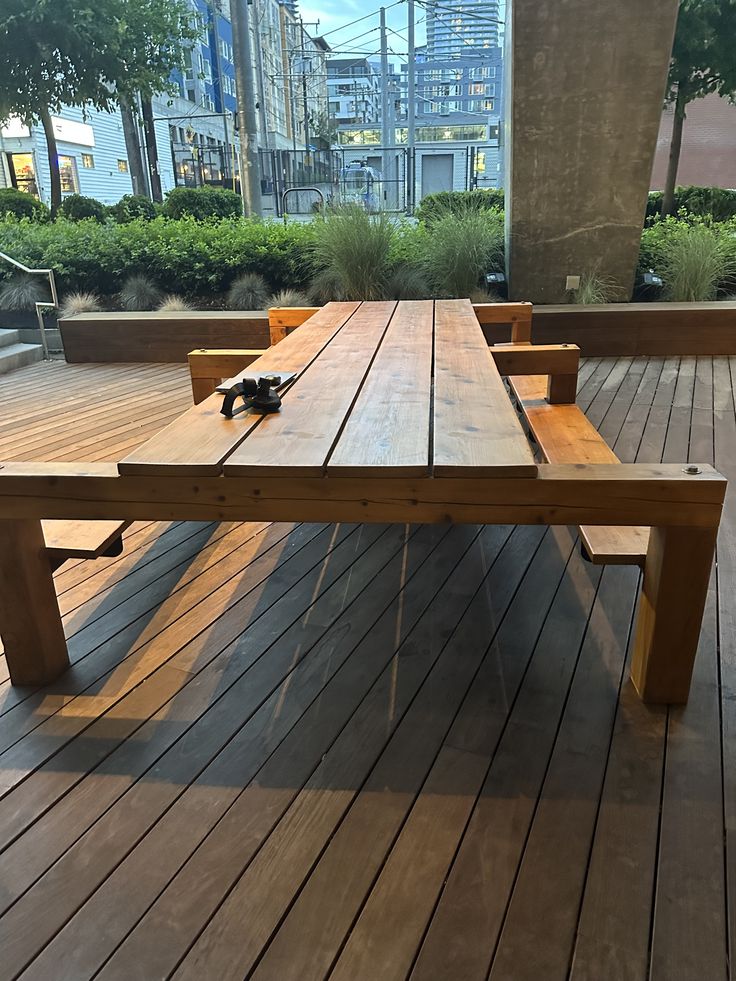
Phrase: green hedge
x=436 y=206
x=19 y=205
x=77 y=207
x=184 y=257
x=716 y=202
x=202 y=203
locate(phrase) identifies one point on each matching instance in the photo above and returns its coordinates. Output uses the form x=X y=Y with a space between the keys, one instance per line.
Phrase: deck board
x=301 y=751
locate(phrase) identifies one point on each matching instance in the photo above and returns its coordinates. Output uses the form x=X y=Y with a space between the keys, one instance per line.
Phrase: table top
x=385 y=389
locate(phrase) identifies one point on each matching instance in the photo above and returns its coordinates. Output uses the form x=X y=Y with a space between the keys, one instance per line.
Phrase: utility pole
x=385 y=134
x=304 y=96
x=151 y=149
x=250 y=184
x=260 y=77
x=411 y=98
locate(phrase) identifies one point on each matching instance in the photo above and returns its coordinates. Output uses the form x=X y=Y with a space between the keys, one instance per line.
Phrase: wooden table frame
x=682 y=508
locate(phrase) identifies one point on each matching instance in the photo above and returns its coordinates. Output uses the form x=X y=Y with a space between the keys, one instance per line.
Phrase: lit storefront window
x=68 y=174
x=23 y=172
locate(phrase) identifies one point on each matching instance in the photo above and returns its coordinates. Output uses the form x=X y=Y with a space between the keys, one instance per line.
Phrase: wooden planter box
x=605 y=330
x=160 y=337
x=631 y=329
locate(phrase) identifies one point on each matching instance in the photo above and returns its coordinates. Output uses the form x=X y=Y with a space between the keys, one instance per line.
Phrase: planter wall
x=607 y=330
x=630 y=329
x=159 y=337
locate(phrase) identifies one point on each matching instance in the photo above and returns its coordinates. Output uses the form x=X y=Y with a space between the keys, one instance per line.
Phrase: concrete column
x=585 y=83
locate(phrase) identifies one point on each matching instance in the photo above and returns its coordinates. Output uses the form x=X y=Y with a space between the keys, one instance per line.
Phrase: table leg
x=30 y=622
x=676 y=576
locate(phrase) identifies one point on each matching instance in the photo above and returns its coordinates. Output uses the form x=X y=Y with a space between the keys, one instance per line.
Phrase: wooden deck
x=362 y=752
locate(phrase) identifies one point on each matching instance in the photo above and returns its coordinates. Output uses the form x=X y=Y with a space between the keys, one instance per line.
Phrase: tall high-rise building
x=456 y=26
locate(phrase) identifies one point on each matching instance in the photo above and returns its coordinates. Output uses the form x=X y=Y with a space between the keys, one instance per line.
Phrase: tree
x=324 y=129
x=87 y=53
x=703 y=62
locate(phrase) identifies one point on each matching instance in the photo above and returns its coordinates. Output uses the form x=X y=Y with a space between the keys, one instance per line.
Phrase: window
x=123 y=166
x=477 y=88
x=23 y=173
x=488 y=104
x=88 y=161
x=68 y=174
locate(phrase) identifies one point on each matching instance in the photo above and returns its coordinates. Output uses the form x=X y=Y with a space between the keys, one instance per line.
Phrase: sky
x=362 y=39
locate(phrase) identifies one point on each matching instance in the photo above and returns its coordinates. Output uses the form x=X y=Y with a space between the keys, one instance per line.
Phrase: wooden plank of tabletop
x=297 y=441
x=476 y=430
x=387 y=432
x=200 y=439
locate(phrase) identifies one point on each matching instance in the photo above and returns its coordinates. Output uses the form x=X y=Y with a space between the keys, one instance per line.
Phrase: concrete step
x=18 y=355
x=8 y=337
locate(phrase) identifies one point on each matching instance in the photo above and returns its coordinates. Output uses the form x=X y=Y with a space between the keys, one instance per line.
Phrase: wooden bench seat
x=565 y=435
x=82 y=539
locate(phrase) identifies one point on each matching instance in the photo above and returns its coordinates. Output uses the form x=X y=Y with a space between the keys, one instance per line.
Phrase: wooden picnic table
x=397 y=413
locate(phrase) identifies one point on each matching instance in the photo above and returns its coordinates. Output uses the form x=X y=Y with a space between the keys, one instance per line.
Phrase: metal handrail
x=41 y=305
x=292 y=190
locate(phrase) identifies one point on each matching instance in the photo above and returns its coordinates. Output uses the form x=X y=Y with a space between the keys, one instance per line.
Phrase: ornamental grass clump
x=22 y=291
x=460 y=249
x=695 y=261
x=76 y=303
x=174 y=304
x=248 y=292
x=595 y=289
x=351 y=255
x=139 y=293
x=289 y=298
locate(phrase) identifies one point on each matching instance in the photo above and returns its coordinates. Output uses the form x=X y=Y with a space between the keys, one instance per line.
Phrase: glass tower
x=456 y=26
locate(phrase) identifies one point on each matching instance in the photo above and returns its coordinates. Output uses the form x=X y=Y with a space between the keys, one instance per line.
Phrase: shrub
x=248 y=292
x=202 y=203
x=186 y=257
x=76 y=303
x=77 y=207
x=22 y=291
x=716 y=202
x=696 y=259
x=132 y=206
x=351 y=253
x=139 y=292
x=444 y=203
x=288 y=298
x=174 y=304
x=21 y=205
x=460 y=249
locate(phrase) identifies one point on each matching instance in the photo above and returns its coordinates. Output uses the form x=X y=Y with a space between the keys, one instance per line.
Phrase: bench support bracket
x=676 y=576
x=33 y=635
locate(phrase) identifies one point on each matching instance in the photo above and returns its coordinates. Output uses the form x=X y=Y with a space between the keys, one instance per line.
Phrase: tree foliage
x=703 y=62
x=87 y=53
x=703 y=54
x=84 y=53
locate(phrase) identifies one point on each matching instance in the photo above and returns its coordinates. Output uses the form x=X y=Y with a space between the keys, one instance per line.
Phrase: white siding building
x=93 y=159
